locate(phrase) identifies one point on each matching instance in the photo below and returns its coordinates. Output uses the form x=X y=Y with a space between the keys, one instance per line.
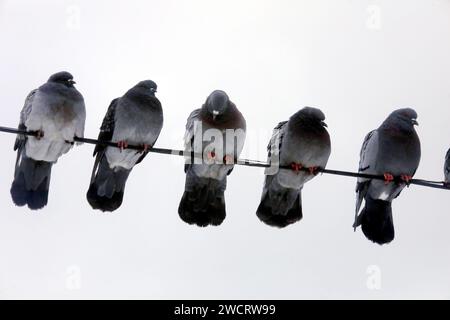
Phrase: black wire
x=241 y=162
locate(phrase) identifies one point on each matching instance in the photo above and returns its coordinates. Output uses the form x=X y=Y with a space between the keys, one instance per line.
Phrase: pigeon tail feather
x=269 y=212
x=31 y=183
x=376 y=221
x=107 y=187
x=203 y=203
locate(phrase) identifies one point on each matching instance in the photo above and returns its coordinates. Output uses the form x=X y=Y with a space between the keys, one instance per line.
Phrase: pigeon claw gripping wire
x=249 y=163
x=122 y=145
x=388 y=178
x=39 y=134
x=70 y=142
x=406 y=179
x=313 y=170
x=145 y=148
x=297 y=167
x=228 y=159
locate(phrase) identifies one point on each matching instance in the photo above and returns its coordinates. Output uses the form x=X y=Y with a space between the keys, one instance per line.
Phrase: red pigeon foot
x=313 y=170
x=211 y=155
x=228 y=159
x=145 y=148
x=296 y=167
x=406 y=178
x=388 y=178
x=122 y=145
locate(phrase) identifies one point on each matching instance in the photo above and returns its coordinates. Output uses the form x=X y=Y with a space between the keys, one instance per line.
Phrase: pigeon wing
x=156 y=104
x=106 y=134
x=367 y=163
x=189 y=136
x=275 y=143
x=26 y=110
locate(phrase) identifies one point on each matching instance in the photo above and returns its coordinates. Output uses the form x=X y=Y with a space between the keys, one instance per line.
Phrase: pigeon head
x=63 y=77
x=405 y=119
x=313 y=116
x=148 y=85
x=217 y=103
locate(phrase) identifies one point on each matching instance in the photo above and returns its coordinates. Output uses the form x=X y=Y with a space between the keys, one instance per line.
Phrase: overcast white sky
x=357 y=60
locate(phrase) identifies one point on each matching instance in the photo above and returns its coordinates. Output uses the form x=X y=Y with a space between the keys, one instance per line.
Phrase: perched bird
x=56 y=113
x=136 y=119
x=447 y=169
x=392 y=150
x=203 y=201
x=303 y=144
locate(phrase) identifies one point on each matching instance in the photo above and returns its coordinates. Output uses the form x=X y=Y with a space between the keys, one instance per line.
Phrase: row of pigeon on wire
x=53 y=118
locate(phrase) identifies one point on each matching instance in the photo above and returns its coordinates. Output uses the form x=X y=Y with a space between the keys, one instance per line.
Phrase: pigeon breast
x=60 y=113
x=138 y=124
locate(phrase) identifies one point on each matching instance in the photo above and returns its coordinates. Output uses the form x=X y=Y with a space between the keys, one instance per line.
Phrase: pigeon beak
x=72 y=82
x=414 y=122
x=215 y=114
x=324 y=124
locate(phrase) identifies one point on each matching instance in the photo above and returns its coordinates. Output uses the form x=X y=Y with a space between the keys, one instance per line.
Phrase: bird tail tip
x=211 y=214
x=266 y=214
x=376 y=221
x=103 y=203
x=31 y=184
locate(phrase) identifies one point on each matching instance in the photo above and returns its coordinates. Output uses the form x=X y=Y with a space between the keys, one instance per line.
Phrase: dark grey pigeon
x=203 y=201
x=135 y=119
x=447 y=169
x=302 y=143
x=392 y=150
x=56 y=112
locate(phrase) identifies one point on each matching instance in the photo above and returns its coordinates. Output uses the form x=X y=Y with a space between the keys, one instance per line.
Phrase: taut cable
x=240 y=162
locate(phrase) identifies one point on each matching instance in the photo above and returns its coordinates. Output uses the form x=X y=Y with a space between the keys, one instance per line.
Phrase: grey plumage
x=447 y=169
x=301 y=141
x=203 y=201
x=55 y=110
x=136 y=119
x=392 y=150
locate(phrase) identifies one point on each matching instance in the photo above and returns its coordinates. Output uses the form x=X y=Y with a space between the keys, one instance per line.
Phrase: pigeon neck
x=394 y=126
x=300 y=123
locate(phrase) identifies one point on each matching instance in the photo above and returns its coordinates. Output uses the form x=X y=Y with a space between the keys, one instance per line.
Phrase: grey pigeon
x=392 y=150
x=56 y=112
x=136 y=119
x=203 y=201
x=447 y=169
x=302 y=143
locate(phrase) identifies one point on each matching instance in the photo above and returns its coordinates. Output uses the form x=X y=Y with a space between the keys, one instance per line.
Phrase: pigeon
x=304 y=145
x=447 y=169
x=203 y=201
x=393 y=151
x=135 y=119
x=56 y=113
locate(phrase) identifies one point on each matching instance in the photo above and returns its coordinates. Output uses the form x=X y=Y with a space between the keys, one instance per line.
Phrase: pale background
x=357 y=60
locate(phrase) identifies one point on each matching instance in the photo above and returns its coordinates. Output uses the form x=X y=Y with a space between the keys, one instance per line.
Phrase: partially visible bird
x=447 y=169
x=136 y=119
x=203 y=201
x=56 y=113
x=392 y=150
x=302 y=143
